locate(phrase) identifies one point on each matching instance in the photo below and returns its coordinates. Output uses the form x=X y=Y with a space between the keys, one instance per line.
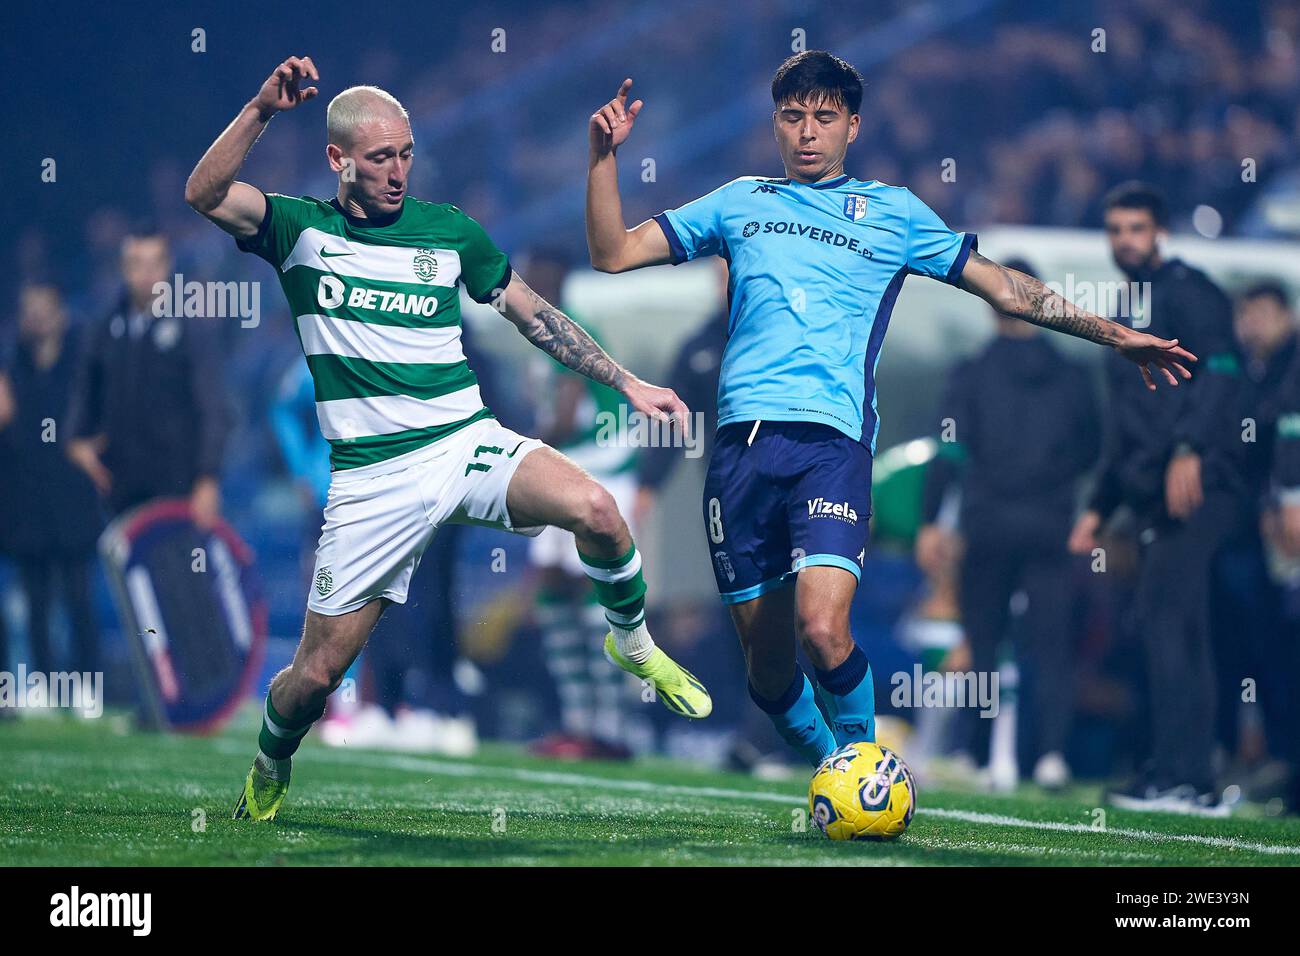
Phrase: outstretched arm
x=614 y=247
x=236 y=207
x=568 y=343
x=1014 y=293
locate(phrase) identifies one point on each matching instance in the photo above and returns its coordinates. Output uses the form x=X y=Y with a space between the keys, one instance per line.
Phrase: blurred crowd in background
x=1037 y=115
x=1036 y=119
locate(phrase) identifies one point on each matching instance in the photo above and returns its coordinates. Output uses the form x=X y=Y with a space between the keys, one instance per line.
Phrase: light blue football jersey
x=815 y=270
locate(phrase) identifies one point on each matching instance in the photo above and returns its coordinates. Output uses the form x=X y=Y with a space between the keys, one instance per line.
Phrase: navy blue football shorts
x=797 y=495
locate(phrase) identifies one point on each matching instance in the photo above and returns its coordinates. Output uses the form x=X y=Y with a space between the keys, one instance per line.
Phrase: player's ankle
x=273 y=767
x=633 y=641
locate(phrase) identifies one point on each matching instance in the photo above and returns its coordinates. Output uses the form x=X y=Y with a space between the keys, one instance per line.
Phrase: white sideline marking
x=449 y=768
x=997 y=819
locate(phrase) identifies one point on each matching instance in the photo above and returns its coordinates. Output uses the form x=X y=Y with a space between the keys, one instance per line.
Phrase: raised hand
x=612 y=123
x=283 y=89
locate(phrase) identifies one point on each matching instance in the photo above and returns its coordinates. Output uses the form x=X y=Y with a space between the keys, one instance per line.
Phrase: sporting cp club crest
x=426 y=265
x=855 y=206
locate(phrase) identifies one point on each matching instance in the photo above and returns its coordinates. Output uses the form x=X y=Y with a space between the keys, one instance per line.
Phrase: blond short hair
x=358 y=105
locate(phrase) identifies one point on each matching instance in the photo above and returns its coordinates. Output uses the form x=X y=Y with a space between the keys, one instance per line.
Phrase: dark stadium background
x=115 y=95
x=1038 y=127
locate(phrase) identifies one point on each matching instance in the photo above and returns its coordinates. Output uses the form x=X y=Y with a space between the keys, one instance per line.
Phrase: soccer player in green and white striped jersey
x=372 y=277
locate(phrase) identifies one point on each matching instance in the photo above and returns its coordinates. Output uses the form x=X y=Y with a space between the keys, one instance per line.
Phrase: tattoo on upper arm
x=1027 y=298
x=558 y=335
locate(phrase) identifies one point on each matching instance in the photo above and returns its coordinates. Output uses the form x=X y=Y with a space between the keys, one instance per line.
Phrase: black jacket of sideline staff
x=1285 y=460
x=50 y=506
x=1202 y=414
x=1269 y=391
x=1028 y=422
x=153 y=387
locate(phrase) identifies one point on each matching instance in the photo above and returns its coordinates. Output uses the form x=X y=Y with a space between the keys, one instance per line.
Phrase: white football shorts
x=380 y=518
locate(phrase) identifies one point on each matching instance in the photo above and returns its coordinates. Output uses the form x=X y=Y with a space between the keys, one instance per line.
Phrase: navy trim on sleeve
x=498 y=285
x=674 y=244
x=255 y=240
x=971 y=241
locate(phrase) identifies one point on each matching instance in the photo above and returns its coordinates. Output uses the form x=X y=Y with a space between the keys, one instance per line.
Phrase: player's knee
x=317 y=679
x=598 y=515
x=821 y=632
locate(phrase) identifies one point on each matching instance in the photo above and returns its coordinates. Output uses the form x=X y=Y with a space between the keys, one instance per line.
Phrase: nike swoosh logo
x=516 y=448
x=330 y=255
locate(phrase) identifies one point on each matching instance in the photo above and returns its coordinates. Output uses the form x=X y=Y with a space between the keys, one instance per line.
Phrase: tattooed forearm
x=1027 y=298
x=558 y=335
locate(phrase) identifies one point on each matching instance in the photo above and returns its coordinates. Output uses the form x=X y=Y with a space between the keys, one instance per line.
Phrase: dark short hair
x=143 y=228
x=1138 y=195
x=1268 y=289
x=814 y=75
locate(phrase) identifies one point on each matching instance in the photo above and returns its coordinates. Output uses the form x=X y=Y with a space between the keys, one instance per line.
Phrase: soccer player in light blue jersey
x=817 y=259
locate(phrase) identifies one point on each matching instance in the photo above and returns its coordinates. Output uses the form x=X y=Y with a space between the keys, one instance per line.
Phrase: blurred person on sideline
x=1176 y=463
x=1027 y=422
x=147 y=414
x=1249 y=636
x=1283 y=528
x=52 y=520
x=8 y=506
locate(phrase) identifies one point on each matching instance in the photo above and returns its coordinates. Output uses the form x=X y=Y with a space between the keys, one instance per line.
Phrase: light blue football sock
x=797 y=718
x=849 y=696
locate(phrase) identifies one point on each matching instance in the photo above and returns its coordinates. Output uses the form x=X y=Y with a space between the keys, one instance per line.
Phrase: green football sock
x=620 y=589
x=279 y=738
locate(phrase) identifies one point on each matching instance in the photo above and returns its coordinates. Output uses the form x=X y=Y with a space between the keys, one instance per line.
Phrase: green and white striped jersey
x=377 y=311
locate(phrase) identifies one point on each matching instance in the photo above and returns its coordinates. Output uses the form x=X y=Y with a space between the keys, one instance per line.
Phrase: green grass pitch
x=94 y=793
